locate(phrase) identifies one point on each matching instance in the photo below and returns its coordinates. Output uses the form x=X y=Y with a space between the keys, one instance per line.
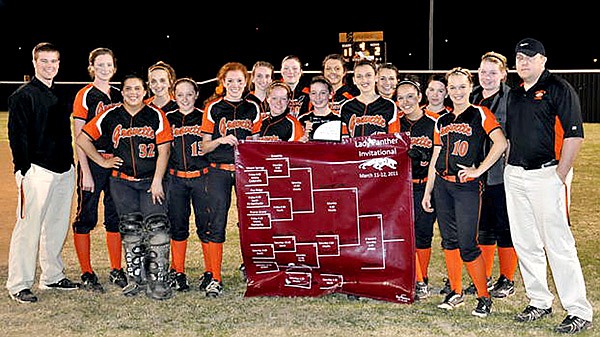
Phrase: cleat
x=24 y=296
x=90 y=282
x=214 y=289
x=572 y=325
x=179 y=282
x=446 y=289
x=132 y=289
x=243 y=272
x=64 y=284
x=484 y=307
x=532 y=313
x=503 y=288
x=353 y=297
x=471 y=290
x=452 y=300
x=205 y=280
x=422 y=291
x=118 y=277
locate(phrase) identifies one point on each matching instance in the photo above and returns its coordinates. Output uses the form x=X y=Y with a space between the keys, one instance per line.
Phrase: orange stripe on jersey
x=489 y=120
x=559 y=134
x=208 y=125
x=436 y=136
x=80 y=111
x=297 y=129
x=394 y=126
x=164 y=134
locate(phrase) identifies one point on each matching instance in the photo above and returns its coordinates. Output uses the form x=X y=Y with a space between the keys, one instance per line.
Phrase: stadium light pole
x=430 y=34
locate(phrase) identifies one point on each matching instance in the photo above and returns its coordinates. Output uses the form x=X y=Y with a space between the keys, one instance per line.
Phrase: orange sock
x=82 y=247
x=508 y=262
x=206 y=256
x=178 y=249
x=488 y=252
x=476 y=269
x=418 y=269
x=115 y=248
x=424 y=257
x=454 y=266
x=216 y=258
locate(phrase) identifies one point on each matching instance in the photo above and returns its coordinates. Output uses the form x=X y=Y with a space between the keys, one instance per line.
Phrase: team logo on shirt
x=119 y=133
x=355 y=121
x=462 y=128
x=187 y=130
x=539 y=95
x=422 y=141
x=225 y=125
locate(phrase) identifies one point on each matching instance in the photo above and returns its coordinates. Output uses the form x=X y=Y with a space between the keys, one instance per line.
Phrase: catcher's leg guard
x=157 y=255
x=132 y=232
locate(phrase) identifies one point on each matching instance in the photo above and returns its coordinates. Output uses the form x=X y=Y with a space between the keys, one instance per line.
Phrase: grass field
x=81 y=313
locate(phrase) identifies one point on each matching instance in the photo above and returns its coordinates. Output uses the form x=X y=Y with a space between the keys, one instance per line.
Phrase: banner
x=320 y=217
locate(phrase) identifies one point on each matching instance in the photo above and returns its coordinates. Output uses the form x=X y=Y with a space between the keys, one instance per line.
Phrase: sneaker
x=132 y=289
x=503 y=288
x=532 y=313
x=205 y=280
x=90 y=282
x=446 y=289
x=118 y=277
x=422 y=291
x=484 y=307
x=452 y=300
x=179 y=282
x=243 y=272
x=24 y=296
x=353 y=297
x=214 y=289
x=573 y=324
x=471 y=290
x=64 y=284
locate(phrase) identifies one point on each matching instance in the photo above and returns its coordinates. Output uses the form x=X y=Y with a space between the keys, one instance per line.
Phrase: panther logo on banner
x=322 y=217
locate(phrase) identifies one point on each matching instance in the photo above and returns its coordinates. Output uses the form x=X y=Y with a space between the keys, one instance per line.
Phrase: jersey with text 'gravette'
x=462 y=137
x=421 y=139
x=222 y=118
x=360 y=119
x=134 y=139
x=342 y=94
x=186 y=148
x=91 y=101
x=283 y=127
x=540 y=118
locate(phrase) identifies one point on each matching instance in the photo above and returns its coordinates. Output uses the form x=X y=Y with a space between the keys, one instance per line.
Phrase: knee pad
x=131 y=224
x=157 y=227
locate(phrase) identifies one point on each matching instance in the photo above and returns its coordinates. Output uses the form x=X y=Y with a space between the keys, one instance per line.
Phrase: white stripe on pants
x=43 y=227
x=539 y=228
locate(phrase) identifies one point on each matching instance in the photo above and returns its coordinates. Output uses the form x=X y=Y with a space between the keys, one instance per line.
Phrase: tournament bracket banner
x=321 y=217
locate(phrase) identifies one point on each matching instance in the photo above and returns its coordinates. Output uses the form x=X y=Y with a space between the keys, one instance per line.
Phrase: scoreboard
x=357 y=46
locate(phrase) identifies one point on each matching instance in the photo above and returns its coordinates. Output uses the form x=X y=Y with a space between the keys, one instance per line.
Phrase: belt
x=225 y=167
x=455 y=179
x=106 y=155
x=188 y=174
x=553 y=162
x=123 y=176
x=419 y=181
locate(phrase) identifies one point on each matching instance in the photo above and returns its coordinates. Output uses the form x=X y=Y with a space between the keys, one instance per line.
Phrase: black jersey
x=421 y=141
x=262 y=105
x=186 y=148
x=134 y=139
x=462 y=137
x=360 y=119
x=317 y=120
x=222 y=118
x=283 y=127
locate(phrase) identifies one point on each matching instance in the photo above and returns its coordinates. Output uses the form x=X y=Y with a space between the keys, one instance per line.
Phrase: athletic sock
x=454 y=265
x=508 y=262
x=206 y=256
x=82 y=247
x=476 y=269
x=424 y=258
x=216 y=258
x=418 y=269
x=115 y=249
x=488 y=252
x=178 y=250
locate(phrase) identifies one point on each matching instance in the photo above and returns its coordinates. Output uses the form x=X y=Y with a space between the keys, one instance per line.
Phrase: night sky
x=197 y=43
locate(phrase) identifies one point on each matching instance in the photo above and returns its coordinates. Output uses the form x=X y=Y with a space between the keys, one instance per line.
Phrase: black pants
x=219 y=185
x=493 y=226
x=133 y=197
x=180 y=193
x=423 y=220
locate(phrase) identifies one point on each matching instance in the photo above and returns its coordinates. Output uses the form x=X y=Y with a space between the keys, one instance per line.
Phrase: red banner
x=320 y=217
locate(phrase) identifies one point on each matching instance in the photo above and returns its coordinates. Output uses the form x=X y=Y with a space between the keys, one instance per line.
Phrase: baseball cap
x=530 y=47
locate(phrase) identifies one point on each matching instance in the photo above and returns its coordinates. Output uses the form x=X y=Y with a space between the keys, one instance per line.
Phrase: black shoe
x=532 y=313
x=24 y=296
x=452 y=300
x=179 y=282
x=90 y=282
x=422 y=291
x=353 y=297
x=503 y=288
x=484 y=307
x=118 y=277
x=573 y=324
x=471 y=290
x=214 y=289
x=205 y=280
x=446 y=289
x=243 y=271
x=64 y=284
